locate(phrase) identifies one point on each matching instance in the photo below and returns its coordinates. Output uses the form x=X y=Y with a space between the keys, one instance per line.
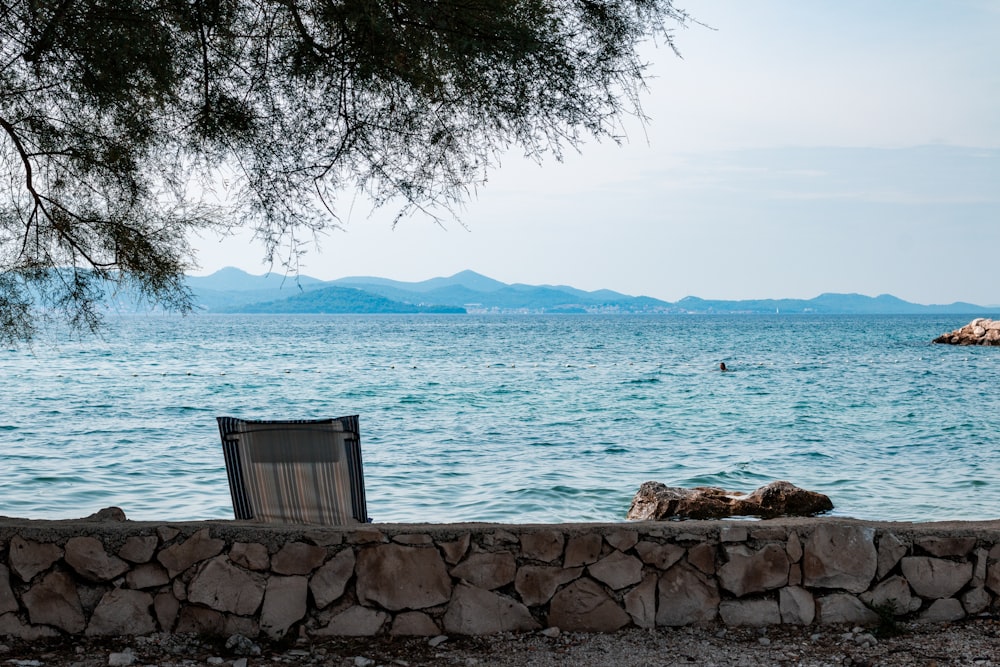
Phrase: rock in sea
x=979 y=331
x=656 y=502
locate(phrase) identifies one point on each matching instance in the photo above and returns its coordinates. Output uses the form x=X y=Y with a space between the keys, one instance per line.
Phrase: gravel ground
x=975 y=642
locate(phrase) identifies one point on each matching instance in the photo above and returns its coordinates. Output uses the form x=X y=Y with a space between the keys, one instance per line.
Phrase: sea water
x=529 y=418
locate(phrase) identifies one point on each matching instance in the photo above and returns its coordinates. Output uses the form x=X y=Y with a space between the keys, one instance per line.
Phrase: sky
x=795 y=148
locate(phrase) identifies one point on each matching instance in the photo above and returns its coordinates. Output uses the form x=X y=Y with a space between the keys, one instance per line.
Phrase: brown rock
x=980 y=331
x=935 y=578
x=122 y=612
x=583 y=549
x=297 y=558
x=947 y=546
x=623 y=540
x=7 y=600
x=660 y=556
x=414 y=624
x=284 y=604
x=250 y=555
x=542 y=545
x=139 y=548
x=702 y=556
x=840 y=556
x=487 y=570
x=398 y=577
x=894 y=593
x=54 y=601
x=455 y=550
x=12 y=626
x=166 y=606
x=685 y=597
x=147 y=575
x=536 y=584
x=843 y=608
x=640 y=602
x=224 y=587
x=617 y=570
x=796 y=605
x=584 y=606
x=747 y=571
x=656 y=502
x=179 y=557
x=473 y=611
x=750 y=612
x=87 y=556
x=106 y=514
x=354 y=622
x=328 y=582
x=27 y=558
x=891 y=550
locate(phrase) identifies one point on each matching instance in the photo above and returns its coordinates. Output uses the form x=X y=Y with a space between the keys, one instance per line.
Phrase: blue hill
x=232 y=290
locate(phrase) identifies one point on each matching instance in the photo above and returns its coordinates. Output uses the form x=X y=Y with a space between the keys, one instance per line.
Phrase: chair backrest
x=295 y=471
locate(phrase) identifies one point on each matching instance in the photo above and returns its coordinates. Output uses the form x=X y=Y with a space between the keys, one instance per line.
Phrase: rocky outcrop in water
x=656 y=502
x=979 y=331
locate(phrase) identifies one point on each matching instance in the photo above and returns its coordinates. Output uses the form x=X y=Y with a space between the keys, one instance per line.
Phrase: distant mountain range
x=231 y=290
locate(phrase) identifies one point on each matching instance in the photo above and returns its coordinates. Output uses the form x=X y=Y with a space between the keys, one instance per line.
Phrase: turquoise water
x=512 y=419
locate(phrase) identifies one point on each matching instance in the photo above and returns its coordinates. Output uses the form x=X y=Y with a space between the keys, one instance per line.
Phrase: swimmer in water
x=722 y=367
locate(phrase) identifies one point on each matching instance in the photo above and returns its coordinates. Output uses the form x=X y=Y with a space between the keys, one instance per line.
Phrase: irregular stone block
x=28 y=558
x=147 y=575
x=891 y=550
x=946 y=546
x=455 y=550
x=398 y=577
x=943 y=611
x=935 y=578
x=139 y=548
x=750 y=612
x=473 y=611
x=201 y=621
x=179 y=557
x=617 y=570
x=795 y=574
x=11 y=626
x=797 y=606
x=660 y=556
x=686 y=597
x=749 y=571
x=993 y=578
x=414 y=624
x=222 y=586
x=583 y=549
x=86 y=555
x=844 y=608
x=330 y=580
x=536 y=584
x=793 y=547
x=979 y=572
x=584 y=606
x=839 y=556
x=323 y=537
x=284 y=604
x=250 y=555
x=354 y=622
x=166 y=533
x=297 y=558
x=622 y=540
x=894 y=592
x=54 y=601
x=487 y=570
x=702 y=556
x=542 y=545
x=640 y=602
x=122 y=612
x=975 y=601
x=166 y=607
x=7 y=600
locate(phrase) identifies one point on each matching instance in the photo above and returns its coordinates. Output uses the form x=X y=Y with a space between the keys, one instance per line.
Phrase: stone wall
x=223 y=578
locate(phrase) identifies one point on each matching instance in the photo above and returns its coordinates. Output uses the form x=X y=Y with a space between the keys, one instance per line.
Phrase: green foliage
x=117 y=116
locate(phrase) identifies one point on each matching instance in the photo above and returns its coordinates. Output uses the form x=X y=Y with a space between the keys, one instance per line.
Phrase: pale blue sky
x=799 y=147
